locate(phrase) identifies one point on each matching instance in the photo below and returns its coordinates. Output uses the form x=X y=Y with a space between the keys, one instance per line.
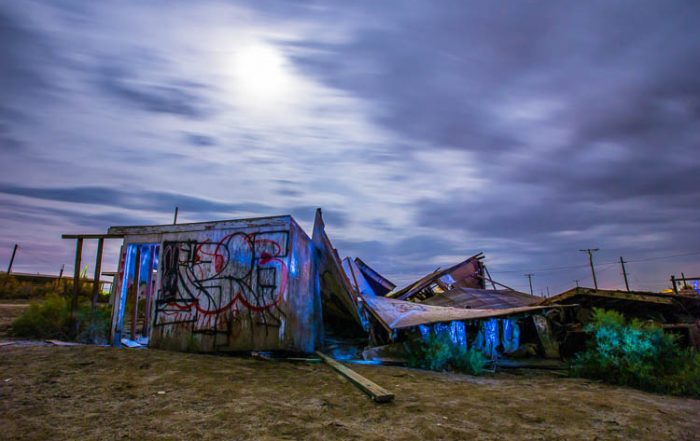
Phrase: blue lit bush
x=632 y=353
x=438 y=352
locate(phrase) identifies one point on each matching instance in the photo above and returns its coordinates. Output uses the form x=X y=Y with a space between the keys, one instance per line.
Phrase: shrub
x=51 y=319
x=437 y=352
x=632 y=353
x=470 y=361
x=48 y=319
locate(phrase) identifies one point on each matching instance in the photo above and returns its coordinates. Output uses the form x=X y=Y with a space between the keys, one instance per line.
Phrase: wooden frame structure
x=79 y=238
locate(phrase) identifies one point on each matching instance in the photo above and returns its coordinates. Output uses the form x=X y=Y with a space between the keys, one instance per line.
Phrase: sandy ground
x=101 y=393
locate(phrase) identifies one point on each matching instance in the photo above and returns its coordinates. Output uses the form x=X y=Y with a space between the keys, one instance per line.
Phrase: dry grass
x=103 y=394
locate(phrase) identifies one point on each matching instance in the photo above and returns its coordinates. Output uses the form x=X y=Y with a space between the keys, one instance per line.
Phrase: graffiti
x=211 y=284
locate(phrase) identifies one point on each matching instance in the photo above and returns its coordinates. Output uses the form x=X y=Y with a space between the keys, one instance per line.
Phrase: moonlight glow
x=260 y=74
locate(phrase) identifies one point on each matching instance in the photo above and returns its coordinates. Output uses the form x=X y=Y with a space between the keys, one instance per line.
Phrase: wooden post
x=12 y=259
x=76 y=285
x=529 y=278
x=137 y=276
x=96 y=278
x=378 y=393
x=624 y=273
x=149 y=291
x=590 y=261
x=673 y=284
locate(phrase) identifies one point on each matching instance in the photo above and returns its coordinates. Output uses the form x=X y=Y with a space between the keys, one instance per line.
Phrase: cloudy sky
x=428 y=131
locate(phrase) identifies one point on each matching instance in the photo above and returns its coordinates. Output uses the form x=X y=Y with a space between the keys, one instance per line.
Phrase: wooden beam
x=618 y=295
x=92 y=236
x=136 y=284
x=376 y=392
x=149 y=291
x=76 y=285
x=96 y=278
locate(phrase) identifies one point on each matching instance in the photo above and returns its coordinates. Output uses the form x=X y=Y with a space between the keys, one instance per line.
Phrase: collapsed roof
x=482 y=298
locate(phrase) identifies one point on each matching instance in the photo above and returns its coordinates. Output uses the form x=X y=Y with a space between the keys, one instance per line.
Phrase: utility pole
x=548 y=291
x=576 y=280
x=624 y=273
x=175 y=218
x=529 y=278
x=12 y=259
x=590 y=252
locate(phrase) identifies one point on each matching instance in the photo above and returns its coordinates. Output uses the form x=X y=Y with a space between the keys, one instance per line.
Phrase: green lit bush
x=48 y=319
x=51 y=319
x=632 y=353
x=438 y=352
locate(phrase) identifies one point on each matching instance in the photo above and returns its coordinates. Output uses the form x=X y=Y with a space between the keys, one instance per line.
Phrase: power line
x=663 y=257
x=562 y=268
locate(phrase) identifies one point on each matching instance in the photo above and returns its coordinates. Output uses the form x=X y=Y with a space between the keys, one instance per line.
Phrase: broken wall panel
x=466 y=274
x=380 y=284
x=339 y=298
x=357 y=279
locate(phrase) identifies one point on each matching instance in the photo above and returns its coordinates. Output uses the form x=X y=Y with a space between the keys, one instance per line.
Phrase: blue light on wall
x=511 y=335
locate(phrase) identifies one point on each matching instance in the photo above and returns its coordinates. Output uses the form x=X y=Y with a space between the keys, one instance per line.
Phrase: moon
x=261 y=74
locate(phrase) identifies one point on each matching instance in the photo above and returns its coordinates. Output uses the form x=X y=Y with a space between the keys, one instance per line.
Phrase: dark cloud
x=155 y=201
x=199 y=140
x=20 y=49
x=7 y=141
x=181 y=98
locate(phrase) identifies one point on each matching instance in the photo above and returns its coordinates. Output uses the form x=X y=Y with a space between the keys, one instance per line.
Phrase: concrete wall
x=234 y=286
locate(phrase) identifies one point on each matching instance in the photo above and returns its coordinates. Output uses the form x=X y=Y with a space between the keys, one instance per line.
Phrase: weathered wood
x=376 y=392
x=399 y=314
x=663 y=299
x=92 y=236
x=76 y=285
x=261 y=356
x=96 y=278
x=269 y=221
x=149 y=293
x=549 y=343
x=136 y=285
x=62 y=343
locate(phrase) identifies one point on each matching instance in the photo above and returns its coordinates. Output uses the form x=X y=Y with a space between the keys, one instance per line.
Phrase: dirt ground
x=101 y=393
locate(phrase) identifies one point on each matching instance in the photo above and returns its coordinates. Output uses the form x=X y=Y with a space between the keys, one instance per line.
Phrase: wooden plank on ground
x=376 y=392
x=62 y=343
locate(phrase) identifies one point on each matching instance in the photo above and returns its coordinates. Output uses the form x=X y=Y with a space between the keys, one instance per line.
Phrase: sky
x=427 y=131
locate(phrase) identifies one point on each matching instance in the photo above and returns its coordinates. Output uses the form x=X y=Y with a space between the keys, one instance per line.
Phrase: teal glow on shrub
x=633 y=353
x=437 y=352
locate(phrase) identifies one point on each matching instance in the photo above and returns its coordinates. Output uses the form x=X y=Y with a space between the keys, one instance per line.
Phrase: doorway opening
x=138 y=283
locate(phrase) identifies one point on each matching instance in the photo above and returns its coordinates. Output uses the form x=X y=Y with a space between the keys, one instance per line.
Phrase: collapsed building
x=678 y=313
x=263 y=284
